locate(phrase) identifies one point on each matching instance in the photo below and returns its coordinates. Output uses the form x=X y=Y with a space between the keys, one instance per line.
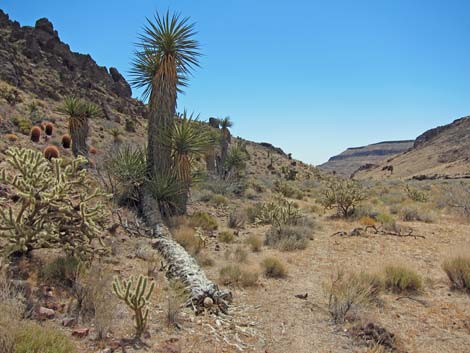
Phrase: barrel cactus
x=35 y=134
x=51 y=152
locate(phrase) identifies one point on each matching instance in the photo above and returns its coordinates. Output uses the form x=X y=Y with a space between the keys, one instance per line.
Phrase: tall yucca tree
x=166 y=56
x=225 y=140
x=79 y=111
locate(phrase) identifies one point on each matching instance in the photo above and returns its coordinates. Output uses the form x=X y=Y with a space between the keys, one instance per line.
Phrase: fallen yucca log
x=202 y=292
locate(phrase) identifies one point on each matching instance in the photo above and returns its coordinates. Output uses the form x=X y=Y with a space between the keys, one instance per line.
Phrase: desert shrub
x=66 y=141
x=286 y=189
x=458 y=272
x=236 y=219
x=410 y=214
x=35 y=134
x=128 y=167
x=62 y=271
x=234 y=275
x=346 y=293
x=226 y=236
x=344 y=195
x=129 y=125
x=367 y=221
x=399 y=279
x=203 y=220
x=136 y=294
x=457 y=197
x=218 y=200
x=33 y=338
x=51 y=151
x=204 y=260
x=252 y=212
x=365 y=211
x=24 y=126
x=11 y=137
x=288 y=237
x=186 y=237
x=56 y=206
x=204 y=195
x=240 y=255
x=254 y=242
x=273 y=268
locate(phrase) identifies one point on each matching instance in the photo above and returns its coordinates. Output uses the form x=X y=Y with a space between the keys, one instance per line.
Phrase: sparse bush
x=226 y=236
x=273 y=268
x=286 y=189
x=458 y=272
x=415 y=194
x=62 y=271
x=218 y=200
x=458 y=197
x=367 y=221
x=203 y=220
x=288 y=237
x=234 y=275
x=278 y=212
x=346 y=293
x=410 y=214
x=56 y=206
x=24 y=126
x=35 y=134
x=399 y=279
x=33 y=338
x=254 y=243
x=253 y=212
x=136 y=294
x=51 y=152
x=186 y=237
x=240 y=255
x=344 y=195
x=236 y=219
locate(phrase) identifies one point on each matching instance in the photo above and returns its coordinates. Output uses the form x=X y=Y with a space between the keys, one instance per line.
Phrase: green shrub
x=273 y=268
x=344 y=195
x=254 y=243
x=62 y=271
x=288 y=237
x=399 y=279
x=218 y=200
x=415 y=194
x=226 y=236
x=253 y=212
x=458 y=272
x=24 y=126
x=234 y=275
x=278 y=212
x=33 y=338
x=203 y=220
x=286 y=189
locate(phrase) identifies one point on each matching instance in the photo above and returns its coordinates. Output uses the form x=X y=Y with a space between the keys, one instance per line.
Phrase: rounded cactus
x=92 y=150
x=49 y=128
x=35 y=134
x=51 y=151
x=66 y=141
x=11 y=137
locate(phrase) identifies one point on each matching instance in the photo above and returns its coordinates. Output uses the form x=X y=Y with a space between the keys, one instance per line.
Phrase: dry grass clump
x=458 y=272
x=226 y=236
x=347 y=293
x=218 y=200
x=289 y=237
x=186 y=237
x=273 y=268
x=203 y=220
x=410 y=214
x=234 y=275
x=61 y=271
x=254 y=242
x=400 y=279
x=236 y=219
x=253 y=212
x=31 y=338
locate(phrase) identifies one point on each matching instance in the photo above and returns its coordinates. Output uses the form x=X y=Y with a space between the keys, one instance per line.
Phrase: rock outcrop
x=35 y=60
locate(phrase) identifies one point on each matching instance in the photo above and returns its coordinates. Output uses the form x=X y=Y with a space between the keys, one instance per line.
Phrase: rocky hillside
x=349 y=161
x=442 y=152
x=35 y=60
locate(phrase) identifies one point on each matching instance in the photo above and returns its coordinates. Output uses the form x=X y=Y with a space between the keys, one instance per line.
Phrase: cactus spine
x=137 y=298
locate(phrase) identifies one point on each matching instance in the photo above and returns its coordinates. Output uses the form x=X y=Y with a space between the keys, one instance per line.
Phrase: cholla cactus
x=55 y=207
x=137 y=298
x=278 y=212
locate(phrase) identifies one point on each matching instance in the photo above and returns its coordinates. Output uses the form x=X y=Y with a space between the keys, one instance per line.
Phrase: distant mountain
x=441 y=152
x=349 y=161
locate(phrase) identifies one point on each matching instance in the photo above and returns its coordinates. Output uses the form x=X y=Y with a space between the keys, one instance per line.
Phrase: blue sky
x=313 y=77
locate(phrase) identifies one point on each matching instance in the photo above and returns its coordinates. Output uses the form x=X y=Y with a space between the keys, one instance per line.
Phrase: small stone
x=68 y=322
x=45 y=313
x=80 y=332
x=208 y=302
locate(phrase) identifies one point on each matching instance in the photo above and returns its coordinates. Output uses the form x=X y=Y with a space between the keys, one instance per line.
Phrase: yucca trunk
x=210 y=159
x=162 y=109
x=183 y=165
x=224 y=143
x=78 y=129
